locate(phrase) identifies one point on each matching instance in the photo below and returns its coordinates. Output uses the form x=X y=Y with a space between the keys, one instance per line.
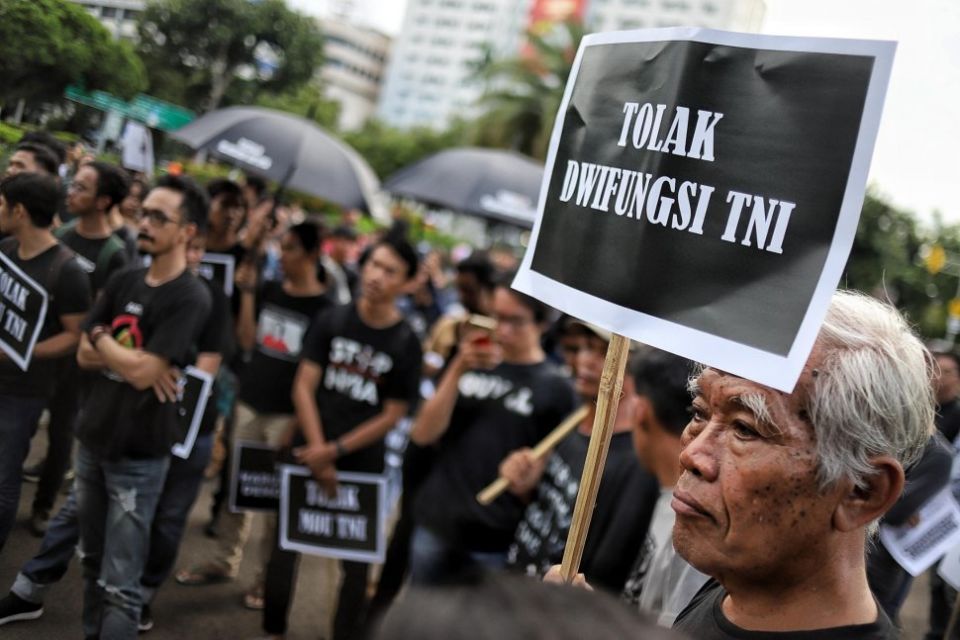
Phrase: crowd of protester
x=726 y=509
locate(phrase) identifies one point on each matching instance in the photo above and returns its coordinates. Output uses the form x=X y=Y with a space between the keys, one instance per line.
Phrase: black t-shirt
x=362 y=367
x=620 y=519
x=238 y=252
x=497 y=412
x=68 y=292
x=117 y=419
x=703 y=619
x=99 y=257
x=283 y=322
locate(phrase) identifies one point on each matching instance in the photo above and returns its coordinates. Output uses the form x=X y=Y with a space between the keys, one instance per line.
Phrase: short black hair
x=38 y=193
x=112 y=182
x=48 y=140
x=258 y=184
x=42 y=155
x=662 y=378
x=195 y=202
x=541 y=311
x=308 y=234
x=403 y=249
x=344 y=231
x=480 y=267
x=224 y=187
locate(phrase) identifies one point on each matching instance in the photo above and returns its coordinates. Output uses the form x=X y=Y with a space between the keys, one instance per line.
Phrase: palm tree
x=523 y=93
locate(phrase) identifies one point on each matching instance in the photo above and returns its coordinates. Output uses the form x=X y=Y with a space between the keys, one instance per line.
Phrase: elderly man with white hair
x=780 y=491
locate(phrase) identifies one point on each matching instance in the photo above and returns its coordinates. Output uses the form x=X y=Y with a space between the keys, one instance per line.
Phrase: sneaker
x=38 y=523
x=33 y=472
x=146 y=619
x=14 y=608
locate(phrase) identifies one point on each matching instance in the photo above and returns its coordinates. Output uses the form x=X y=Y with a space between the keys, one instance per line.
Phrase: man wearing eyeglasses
x=498 y=395
x=144 y=321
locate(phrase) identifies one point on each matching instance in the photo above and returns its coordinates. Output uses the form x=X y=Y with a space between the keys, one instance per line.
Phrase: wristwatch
x=341 y=450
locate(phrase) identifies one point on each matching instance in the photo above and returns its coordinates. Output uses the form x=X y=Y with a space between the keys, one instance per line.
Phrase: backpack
x=113 y=244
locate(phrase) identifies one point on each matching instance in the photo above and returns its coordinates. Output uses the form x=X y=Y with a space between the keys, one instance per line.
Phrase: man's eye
x=696 y=413
x=745 y=431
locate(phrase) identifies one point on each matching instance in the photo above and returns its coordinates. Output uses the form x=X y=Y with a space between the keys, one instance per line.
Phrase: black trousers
x=63 y=406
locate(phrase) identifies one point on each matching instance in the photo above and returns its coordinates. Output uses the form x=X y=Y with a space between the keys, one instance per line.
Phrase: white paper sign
x=917 y=548
x=195 y=388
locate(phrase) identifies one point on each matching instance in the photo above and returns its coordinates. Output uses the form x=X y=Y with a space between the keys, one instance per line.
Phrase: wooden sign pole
x=608 y=400
x=493 y=490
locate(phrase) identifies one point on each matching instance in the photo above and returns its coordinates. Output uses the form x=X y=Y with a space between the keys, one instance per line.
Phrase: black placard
x=219 y=268
x=23 y=308
x=350 y=525
x=254 y=485
x=703 y=189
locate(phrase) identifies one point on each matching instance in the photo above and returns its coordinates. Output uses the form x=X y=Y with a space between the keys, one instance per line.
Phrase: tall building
x=118 y=16
x=353 y=68
x=429 y=76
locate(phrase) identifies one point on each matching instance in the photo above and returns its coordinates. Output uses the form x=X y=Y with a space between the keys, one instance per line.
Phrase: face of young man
x=748 y=502
x=517 y=330
x=162 y=226
x=130 y=205
x=225 y=214
x=588 y=364
x=82 y=192
x=384 y=275
x=23 y=162
x=9 y=217
x=196 y=247
x=293 y=259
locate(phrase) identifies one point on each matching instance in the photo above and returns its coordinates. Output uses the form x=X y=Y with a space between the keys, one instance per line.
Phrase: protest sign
x=916 y=548
x=23 y=309
x=194 y=392
x=219 y=268
x=702 y=190
x=949 y=568
x=350 y=525
x=253 y=482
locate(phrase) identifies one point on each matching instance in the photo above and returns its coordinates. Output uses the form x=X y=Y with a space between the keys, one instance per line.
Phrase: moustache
x=143 y=236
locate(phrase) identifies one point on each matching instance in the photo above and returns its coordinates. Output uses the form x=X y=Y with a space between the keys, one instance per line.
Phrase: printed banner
x=349 y=526
x=219 y=267
x=702 y=190
x=253 y=482
x=196 y=386
x=23 y=308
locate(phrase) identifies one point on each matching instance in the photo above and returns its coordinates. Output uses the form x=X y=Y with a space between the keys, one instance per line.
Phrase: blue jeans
x=59 y=543
x=116 y=502
x=18 y=422
x=434 y=561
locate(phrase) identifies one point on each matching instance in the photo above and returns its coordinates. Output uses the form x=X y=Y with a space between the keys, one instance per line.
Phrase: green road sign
x=151 y=111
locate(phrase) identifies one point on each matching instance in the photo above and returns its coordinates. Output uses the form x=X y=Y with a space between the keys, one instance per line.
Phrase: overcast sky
x=915 y=162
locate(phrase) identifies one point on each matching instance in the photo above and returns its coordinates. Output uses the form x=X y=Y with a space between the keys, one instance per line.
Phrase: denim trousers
x=18 y=422
x=434 y=561
x=116 y=502
x=180 y=489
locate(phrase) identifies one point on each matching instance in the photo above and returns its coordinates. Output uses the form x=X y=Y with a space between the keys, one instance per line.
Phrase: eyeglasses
x=156 y=217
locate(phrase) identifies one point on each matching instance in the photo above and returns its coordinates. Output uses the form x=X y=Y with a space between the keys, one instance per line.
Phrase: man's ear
x=189 y=232
x=642 y=413
x=104 y=203
x=861 y=506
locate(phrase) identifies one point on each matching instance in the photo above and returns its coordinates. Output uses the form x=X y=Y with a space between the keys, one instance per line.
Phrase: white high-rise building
x=428 y=80
x=118 y=16
x=354 y=58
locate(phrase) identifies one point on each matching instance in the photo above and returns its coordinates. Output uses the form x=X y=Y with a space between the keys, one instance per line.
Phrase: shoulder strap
x=108 y=250
x=65 y=228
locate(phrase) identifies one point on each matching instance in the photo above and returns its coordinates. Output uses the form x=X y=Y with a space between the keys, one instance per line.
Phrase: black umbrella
x=286 y=148
x=490 y=183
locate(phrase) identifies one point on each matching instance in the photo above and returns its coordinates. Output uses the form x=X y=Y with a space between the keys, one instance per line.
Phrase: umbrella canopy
x=286 y=148
x=490 y=183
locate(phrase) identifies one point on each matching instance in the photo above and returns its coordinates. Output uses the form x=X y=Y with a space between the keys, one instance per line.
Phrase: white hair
x=871 y=393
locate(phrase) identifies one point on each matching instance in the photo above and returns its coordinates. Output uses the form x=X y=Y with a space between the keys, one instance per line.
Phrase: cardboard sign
x=23 y=308
x=702 y=190
x=219 y=267
x=254 y=485
x=349 y=526
x=196 y=386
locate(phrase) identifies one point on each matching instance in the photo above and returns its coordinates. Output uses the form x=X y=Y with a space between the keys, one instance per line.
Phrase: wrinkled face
x=748 y=500
x=82 y=193
x=23 y=161
x=384 y=275
x=162 y=226
x=517 y=329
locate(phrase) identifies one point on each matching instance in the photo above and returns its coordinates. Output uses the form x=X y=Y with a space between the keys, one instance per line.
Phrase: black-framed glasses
x=156 y=217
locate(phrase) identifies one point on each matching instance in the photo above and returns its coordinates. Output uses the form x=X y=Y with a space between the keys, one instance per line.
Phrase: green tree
x=308 y=101
x=46 y=45
x=202 y=53
x=387 y=149
x=522 y=94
